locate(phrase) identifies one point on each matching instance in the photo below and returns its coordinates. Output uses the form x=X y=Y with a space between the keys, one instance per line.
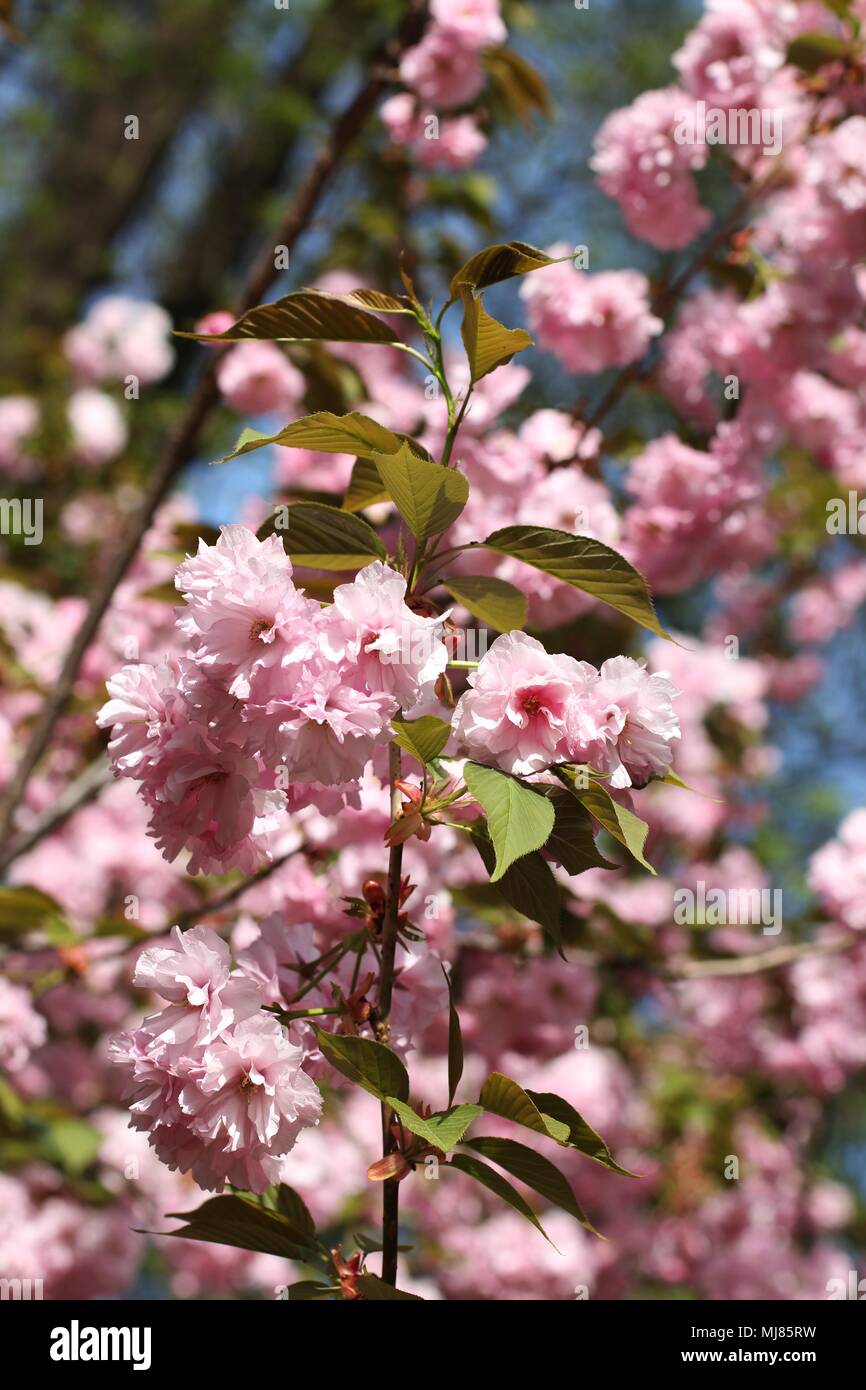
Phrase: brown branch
x=84 y=789
x=758 y=963
x=390 y=1188
x=182 y=444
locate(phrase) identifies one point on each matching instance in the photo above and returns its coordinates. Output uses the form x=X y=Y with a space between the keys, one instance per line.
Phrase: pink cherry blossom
x=590 y=321
x=256 y=378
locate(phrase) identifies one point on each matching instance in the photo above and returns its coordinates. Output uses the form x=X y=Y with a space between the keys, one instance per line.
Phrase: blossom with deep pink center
x=623 y=723
x=194 y=972
x=243 y=609
x=393 y=649
x=514 y=714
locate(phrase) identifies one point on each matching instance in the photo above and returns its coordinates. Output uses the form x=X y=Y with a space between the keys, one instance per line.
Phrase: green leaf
x=585 y=564
x=305 y=316
x=376 y=1290
x=308 y=1290
x=428 y=497
x=495 y=1183
x=492 y=601
x=499 y=262
x=455 y=1041
x=369 y=1064
x=502 y=1096
x=581 y=1135
x=365 y=487
x=293 y=1207
x=572 y=843
x=423 y=738
x=519 y=820
x=72 y=1143
x=535 y=1170
x=24 y=909
x=528 y=886
x=618 y=820
x=443 y=1129
x=327 y=538
x=488 y=343
x=324 y=433
x=812 y=51
x=239 y=1221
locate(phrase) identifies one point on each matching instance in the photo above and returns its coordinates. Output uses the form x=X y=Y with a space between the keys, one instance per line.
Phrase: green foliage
x=488 y=343
x=327 y=538
x=246 y=1224
x=528 y=886
x=494 y=1182
x=444 y=1129
x=368 y=1064
x=492 y=601
x=617 y=819
x=583 y=562
x=24 y=909
x=325 y=433
x=535 y=1170
x=499 y=262
x=428 y=497
x=519 y=820
x=422 y=738
x=308 y=315
x=571 y=842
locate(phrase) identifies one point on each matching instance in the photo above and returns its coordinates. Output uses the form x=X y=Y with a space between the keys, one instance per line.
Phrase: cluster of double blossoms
x=279 y=703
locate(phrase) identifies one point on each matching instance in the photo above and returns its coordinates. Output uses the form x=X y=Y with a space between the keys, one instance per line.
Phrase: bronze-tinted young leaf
x=528 y=886
x=617 y=819
x=502 y=1095
x=324 y=433
x=369 y=1064
x=581 y=1135
x=365 y=487
x=305 y=316
x=499 y=1186
x=499 y=262
x=519 y=820
x=532 y=1168
x=584 y=563
x=328 y=538
x=378 y=301
x=493 y=601
x=428 y=497
x=239 y=1221
x=572 y=842
x=488 y=343
x=521 y=86
x=443 y=1129
x=423 y=738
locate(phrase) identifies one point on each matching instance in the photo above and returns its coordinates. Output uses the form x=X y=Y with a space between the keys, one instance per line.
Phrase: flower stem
x=390 y=1189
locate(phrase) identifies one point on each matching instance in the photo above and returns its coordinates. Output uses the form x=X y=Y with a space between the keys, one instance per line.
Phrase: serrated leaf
x=376 y=1290
x=501 y=1095
x=423 y=738
x=493 y=601
x=368 y=1064
x=585 y=564
x=365 y=487
x=500 y=262
x=581 y=1135
x=327 y=538
x=535 y=1171
x=305 y=316
x=324 y=433
x=499 y=1186
x=428 y=496
x=443 y=1129
x=455 y=1041
x=528 y=886
x=243 y=1223
x=618 y=820
x=488 y=343
x=519 y=820
x=572 y=843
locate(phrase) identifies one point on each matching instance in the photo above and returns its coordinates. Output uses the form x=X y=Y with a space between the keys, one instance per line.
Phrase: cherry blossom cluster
x=527 y=710
x=278 y=699
x=216 y=1082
